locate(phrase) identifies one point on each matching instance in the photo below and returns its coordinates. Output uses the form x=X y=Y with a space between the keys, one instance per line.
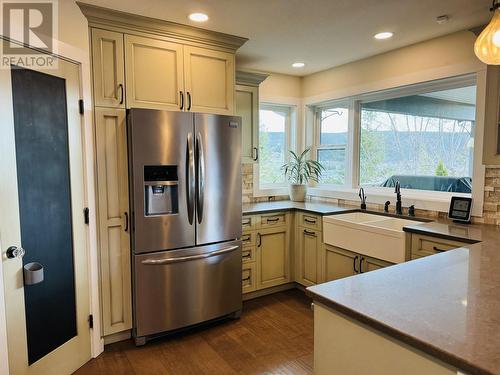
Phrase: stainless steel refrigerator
x=185 y=188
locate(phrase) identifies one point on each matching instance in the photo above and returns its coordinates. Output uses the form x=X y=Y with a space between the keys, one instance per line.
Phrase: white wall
x=437 y=58
x=285 y=89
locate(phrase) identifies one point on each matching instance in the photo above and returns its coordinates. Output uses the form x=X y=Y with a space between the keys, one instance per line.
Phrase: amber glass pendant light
x=487 y=46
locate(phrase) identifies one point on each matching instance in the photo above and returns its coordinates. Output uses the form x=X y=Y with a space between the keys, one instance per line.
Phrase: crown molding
x=250 y=78
x=126 y=22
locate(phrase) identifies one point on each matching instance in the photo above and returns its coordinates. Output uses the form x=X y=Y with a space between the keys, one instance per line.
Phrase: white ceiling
x=321 y=33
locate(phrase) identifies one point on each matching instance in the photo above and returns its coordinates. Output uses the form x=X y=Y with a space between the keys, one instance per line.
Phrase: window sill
x=423 y=200
x=267 y=192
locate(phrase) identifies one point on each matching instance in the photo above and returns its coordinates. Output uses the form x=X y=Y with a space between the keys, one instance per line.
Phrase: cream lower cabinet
x=113 y=216
x=273 y=257
x=422 y=246
x=265 y=252
x=338 y=263
x=307 y=257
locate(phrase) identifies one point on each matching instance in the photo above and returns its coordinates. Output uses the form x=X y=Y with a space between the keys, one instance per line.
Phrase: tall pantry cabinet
x=140 y=62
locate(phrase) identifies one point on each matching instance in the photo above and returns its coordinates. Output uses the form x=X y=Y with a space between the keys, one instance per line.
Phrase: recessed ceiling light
x=383 y=35
x=198 y=17
x=298 y=65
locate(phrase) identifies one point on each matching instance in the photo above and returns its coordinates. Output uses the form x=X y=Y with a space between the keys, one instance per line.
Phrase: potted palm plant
x=299 y=171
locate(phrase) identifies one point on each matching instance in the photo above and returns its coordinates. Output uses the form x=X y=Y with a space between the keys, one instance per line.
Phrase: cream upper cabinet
x=272 y=257
x=108 y=68
x=154 y=73
x=247 y=107
x=209 y=78
x=114 y=237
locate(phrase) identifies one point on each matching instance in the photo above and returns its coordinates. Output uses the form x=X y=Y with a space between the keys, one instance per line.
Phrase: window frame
x=278 y=188
x=423 y=199
x=350 y=134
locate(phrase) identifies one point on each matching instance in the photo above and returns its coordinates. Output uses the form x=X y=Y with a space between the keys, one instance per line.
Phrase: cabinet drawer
x=248 y=279
x=310 y=221
x=248 y=238
x=267 y=221
x=426 y=245
x=248 y=222
x=248 y=254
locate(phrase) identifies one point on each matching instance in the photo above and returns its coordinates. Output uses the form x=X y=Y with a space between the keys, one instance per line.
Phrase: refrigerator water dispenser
x=161 y=190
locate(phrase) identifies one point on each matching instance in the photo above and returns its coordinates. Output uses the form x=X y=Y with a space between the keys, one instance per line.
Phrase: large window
x=421 y=136
x=274 y=141
x=424 y=141
x=331 y=148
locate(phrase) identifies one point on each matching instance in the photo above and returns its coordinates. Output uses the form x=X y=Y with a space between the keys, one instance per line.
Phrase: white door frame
x=4 y=354
x=80 y=57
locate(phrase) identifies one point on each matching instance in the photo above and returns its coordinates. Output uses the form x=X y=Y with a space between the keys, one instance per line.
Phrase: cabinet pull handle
x=126 y=221
x=182 y=99
x=247 y=256
x=354 y=264
x=361 y=264
x=439 y=250
x=310 y=221
x=246 y=238
x=189 y=101
x=122 y=95
x=273 y=220
x=309 y=233
x=245 y=279
x=256 y=153
x=246 y=222
x=259 y=240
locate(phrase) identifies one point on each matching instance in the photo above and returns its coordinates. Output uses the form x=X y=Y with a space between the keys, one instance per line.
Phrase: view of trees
x=390 y=144
x=401 y=144
x=272 y=145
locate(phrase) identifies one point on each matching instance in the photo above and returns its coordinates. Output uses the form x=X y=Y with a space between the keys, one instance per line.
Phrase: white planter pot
x=297 y=192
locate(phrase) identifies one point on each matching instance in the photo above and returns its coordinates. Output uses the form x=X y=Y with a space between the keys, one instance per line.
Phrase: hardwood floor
x=273 y=336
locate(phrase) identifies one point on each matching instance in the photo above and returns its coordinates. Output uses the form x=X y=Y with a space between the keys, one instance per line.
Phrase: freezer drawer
x=178 y=288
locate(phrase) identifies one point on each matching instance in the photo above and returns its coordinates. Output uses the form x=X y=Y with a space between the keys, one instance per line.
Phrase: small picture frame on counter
x=460 y=210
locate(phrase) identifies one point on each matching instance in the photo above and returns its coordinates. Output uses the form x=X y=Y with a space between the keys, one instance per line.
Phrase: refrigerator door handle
x=190 y=178
x=200 y=184
x=153 y=262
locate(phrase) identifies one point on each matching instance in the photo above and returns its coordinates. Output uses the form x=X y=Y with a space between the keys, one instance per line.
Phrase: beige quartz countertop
x=447 y=305
x=314 y=207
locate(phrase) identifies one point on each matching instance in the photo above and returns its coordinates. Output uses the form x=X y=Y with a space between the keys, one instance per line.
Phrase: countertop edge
x=409 y=340
x=431 y=233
